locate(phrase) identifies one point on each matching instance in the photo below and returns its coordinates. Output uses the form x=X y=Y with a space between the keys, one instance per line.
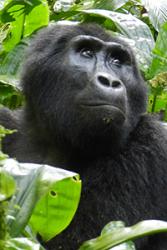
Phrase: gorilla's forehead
x=87 y=39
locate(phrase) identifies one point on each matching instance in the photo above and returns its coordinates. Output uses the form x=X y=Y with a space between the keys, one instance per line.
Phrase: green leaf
x=49 y=194
x=120 y=235
x=132 y=28
x=11 y=95
x=1 y=4
x=109 y=4
x=24 y=17
x=157 y=12
x=3 y=32
x=21 y=244
x=10 y=64
x=110 y=228
x=16 y=19
x=7 y=185
x=56 y=209
x=3 y=132
x=63 y=6
x=125 y=246
x=159 y=62
x=25 y=199
x=36 y=17
x=118 y=4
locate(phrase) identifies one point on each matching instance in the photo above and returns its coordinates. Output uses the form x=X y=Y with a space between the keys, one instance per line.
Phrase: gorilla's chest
x=113 y=190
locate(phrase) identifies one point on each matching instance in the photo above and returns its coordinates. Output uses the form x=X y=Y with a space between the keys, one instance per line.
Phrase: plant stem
x=154 y=103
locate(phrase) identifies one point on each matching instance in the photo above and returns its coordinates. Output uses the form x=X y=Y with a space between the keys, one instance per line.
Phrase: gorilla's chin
x=105 y=133
x=109 y=115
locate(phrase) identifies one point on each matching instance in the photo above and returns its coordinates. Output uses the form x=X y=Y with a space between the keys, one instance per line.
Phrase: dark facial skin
x=105 y=63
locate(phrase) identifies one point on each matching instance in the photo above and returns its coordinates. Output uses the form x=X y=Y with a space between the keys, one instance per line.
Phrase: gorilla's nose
x=107 y=80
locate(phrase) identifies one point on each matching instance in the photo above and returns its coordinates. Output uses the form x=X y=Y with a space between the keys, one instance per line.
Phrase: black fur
x=120 y=155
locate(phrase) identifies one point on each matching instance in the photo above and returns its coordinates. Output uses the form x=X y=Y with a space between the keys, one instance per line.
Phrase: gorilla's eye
x=115 y=61
x=119 y=57
x=87 y=52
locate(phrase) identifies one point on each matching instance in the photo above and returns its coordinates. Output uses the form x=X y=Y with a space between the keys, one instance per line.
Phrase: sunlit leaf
x=159 y=63
x=24 y=17
x=36 y=18
x=111 y=227
x=12 y=61
x=11 y=95
x=157 y=11
x=124 y=246
x=16 y=20
x=21 y=244
x=49 y=194
x=3 y=32
x=61 y=5
x=56 y=209
x=109 y=4
x=24 y=201
x=7 y=185
x=120 y=235
x=2 y=4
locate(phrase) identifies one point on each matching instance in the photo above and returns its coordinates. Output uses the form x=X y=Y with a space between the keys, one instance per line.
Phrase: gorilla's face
x=91 y=91
x=102 y=96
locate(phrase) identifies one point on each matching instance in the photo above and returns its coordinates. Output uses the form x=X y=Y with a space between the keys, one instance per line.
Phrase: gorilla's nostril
x=107 y=82
x=115 y=84
x=104 y=81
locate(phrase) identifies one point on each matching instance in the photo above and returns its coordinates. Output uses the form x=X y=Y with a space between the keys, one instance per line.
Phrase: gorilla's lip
x=97 y=104
x=94 y=104
x=101 y=105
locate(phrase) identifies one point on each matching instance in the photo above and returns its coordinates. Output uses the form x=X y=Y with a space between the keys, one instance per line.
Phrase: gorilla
x=85 y=111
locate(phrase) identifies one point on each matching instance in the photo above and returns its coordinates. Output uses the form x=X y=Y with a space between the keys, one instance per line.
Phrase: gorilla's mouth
x=110 y=111
x=104 y=105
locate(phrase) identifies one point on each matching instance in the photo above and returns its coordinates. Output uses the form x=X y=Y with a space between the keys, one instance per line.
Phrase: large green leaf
x=123 y=234
x=48 y=195
x=56 y=208
x=157 y=11
x=7 y=185
x=36 y=17
x=11 y=63
x=24 y=17
x=132 y=28
x=159 y=63
x=24 y=201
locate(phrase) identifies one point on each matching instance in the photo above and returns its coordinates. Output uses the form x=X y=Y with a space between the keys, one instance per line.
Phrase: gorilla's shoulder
x=150 y=130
